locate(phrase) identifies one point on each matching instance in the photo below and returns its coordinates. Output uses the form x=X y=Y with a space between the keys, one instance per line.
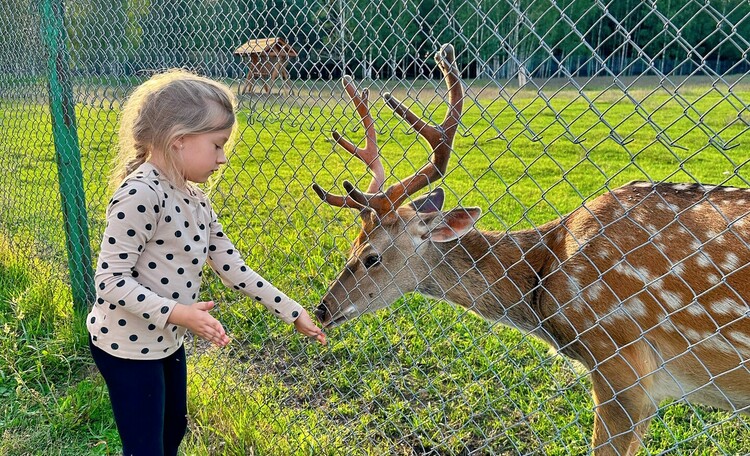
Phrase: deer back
x=665 y=265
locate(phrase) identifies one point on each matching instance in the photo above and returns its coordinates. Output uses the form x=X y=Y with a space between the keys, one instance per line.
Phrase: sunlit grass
x=417 y=377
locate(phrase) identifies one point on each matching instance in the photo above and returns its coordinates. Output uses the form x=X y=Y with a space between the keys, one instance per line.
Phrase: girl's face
x=202 y=154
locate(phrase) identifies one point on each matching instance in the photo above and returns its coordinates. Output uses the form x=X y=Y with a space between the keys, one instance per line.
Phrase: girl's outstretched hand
x=196 y=318
x=305 y=325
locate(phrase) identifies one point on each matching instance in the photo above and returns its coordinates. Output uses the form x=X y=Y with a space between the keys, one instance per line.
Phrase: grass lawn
x=418 y=377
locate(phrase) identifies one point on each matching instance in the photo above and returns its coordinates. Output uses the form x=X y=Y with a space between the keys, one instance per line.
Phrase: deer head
x=390 y=256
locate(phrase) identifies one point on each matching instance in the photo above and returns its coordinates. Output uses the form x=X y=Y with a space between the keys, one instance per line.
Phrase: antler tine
x=337 y=200
x=369 y=154
x=439 y=137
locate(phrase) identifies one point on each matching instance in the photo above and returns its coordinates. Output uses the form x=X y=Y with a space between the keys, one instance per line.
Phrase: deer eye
x=371 y=261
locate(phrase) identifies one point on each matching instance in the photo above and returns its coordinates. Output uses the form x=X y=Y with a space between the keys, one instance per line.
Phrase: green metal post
x=68 y=156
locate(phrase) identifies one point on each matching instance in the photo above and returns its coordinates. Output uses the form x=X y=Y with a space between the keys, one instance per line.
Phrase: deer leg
x=623 y=404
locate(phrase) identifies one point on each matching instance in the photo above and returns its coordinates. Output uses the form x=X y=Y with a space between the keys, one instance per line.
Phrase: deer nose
x=320 y=311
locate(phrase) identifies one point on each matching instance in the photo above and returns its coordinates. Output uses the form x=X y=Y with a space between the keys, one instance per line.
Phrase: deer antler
x=439 y=137
x=370 y=154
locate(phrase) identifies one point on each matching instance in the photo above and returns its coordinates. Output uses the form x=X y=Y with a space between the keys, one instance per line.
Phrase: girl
x=160 y=231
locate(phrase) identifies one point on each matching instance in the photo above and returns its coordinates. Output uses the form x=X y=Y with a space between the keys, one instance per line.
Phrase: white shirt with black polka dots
x=155 y=243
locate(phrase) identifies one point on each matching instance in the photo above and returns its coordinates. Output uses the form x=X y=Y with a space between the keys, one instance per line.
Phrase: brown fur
x=648 y=286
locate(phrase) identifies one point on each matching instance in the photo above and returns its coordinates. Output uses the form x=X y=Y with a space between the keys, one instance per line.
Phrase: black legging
x=149 y=400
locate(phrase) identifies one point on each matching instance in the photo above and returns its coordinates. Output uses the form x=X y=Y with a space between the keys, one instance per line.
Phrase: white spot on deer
x=638 y=217
x=603 y=254
x=635 y=307
x=731 y=262
x=679 y=268
x=695 y=309
x=573 y=288
x=594 y=292
x=667 y=326
x=718 y=342
x=645 y=274
x=740 y=337
x=703 y=260
x=627 y=270
x=695 y=244
x=574 y=284
x=671 y=300
x=613 y=316
x=694 y=336
x=725 y=306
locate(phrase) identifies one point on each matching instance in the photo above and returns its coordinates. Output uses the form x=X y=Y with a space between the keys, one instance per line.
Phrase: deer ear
x=431 y=202
x=453 y=224
x=368 y=215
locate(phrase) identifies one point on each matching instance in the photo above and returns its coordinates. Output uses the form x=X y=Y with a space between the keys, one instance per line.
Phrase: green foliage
x=116 y=38
x=43 y=359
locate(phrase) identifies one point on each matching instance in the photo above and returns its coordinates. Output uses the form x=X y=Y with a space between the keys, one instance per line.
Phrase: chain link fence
x=564 y=100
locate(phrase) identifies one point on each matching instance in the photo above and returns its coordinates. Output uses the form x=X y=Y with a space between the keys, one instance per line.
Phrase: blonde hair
x=163 y=109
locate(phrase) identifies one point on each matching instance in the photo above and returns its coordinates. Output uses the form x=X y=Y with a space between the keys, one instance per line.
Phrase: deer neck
x=496 y=275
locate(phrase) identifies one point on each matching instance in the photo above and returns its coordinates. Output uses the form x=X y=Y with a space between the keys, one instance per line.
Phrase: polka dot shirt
x=155 y=243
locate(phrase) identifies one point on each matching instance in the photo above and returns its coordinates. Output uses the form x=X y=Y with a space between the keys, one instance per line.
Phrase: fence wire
x=564 y=101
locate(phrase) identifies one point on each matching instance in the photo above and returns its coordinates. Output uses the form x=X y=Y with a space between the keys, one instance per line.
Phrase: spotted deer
x=647 y=285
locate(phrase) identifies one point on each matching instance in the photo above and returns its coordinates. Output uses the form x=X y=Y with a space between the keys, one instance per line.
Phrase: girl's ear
x=447 y=226
x=178 y=144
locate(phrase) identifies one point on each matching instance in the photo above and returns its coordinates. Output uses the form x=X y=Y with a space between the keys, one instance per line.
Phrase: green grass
x=419 y=376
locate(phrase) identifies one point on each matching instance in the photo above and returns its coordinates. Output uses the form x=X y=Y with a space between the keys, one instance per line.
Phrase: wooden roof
x=267 y=47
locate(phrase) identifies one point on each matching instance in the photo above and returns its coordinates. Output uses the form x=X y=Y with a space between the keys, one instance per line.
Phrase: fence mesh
x=564 y=101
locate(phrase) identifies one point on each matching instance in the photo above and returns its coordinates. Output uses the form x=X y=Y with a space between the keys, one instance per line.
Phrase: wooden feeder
x=267 y=59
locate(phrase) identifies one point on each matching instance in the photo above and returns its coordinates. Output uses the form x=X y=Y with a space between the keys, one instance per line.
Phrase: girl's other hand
x=196 y=318
x=305 y=325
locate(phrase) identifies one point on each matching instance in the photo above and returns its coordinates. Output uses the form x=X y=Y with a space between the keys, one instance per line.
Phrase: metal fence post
x=68 y=155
